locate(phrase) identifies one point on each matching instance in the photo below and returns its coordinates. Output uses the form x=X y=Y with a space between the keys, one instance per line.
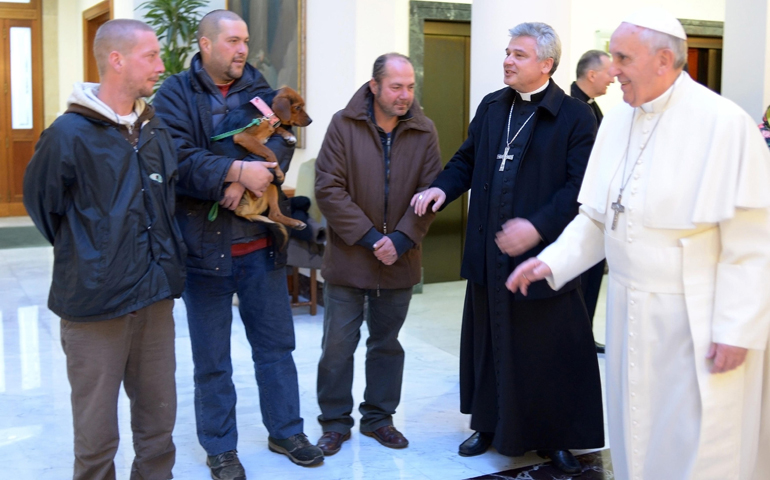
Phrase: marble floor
x=35 y=418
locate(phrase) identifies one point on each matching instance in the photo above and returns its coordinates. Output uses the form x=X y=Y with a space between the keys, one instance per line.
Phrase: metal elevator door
x=445 y=100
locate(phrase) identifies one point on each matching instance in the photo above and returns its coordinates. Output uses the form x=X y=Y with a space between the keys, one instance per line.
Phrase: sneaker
x=298 y=448
x=226 y=466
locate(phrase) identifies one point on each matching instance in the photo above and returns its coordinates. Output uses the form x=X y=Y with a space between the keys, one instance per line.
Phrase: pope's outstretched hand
x=530 y=271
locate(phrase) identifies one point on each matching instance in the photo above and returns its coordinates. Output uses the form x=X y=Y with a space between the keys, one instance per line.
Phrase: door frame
x=89 y=15
x=418 y=13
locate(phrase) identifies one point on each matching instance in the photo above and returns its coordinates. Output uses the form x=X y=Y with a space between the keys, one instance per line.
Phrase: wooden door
x=21 y=111
x=446 y=101
x=93 y=18
x=704 y=61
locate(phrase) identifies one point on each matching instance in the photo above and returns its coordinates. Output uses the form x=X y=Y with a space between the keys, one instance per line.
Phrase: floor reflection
x=35 y=414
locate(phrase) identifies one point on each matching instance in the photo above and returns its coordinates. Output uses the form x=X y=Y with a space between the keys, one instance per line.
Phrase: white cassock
x=689 y=264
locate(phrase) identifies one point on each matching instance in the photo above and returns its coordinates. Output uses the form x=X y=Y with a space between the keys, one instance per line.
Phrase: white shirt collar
x=527 y=97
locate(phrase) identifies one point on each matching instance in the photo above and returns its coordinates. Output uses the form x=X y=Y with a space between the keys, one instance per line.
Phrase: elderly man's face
x=634 y=65
x=522 y=71
x=225 y=56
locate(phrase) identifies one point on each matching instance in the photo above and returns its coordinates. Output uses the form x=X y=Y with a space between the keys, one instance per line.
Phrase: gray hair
x=378 y=70
x=116 y=35
x=548 y=43
x=591 y=60
x=657 y=41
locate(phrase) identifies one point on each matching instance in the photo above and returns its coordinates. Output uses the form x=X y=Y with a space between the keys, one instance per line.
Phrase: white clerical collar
x=657 y=105
x=527 y=97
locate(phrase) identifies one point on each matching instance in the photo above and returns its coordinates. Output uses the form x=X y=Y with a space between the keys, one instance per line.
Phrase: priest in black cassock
x=593 y=78
x=528 y=370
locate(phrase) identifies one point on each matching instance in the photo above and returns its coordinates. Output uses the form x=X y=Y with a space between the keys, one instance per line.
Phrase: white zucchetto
x=658 y=19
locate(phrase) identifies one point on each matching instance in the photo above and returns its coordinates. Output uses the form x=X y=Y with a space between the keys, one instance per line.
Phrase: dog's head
x=289 y=106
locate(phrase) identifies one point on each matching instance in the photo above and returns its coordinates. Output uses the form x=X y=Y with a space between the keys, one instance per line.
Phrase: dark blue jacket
x=184 y=103
x=107 y=207
x=547 y=183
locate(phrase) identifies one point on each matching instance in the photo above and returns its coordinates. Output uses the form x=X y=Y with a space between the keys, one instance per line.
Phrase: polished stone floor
x=35 y=419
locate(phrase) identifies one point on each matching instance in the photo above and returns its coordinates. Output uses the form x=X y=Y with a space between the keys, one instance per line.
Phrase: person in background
x=593 y=78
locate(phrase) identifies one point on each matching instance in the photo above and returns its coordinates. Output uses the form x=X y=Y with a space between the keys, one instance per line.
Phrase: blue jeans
x=267 y=318
x=343 y=316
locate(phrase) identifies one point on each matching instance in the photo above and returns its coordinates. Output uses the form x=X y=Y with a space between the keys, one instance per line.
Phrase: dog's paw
x=301 y=226
x=291 y=139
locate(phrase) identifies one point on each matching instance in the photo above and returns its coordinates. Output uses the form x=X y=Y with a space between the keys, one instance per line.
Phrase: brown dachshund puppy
x=289 y=107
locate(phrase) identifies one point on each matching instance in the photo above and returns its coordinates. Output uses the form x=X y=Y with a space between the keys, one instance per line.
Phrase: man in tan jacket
x=378 y=152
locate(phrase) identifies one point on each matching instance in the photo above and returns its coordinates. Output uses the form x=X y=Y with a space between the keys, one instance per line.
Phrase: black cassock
x=528 y=367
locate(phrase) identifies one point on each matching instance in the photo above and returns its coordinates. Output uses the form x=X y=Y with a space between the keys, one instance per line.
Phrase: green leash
x=214 y=212
x=256 y=121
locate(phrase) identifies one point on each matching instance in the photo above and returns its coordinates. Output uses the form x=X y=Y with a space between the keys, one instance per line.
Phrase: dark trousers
x=266 y=314
x=343 y=316
x=138 y=351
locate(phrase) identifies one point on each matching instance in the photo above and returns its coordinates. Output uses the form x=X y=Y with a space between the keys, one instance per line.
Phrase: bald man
x=100 y=188
x=229 y=254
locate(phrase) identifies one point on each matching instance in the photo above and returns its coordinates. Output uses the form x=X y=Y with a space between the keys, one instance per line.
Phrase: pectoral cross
x=504 y=157
x=619 y=208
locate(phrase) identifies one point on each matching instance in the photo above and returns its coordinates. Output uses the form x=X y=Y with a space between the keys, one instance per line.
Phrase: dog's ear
x=282 y=108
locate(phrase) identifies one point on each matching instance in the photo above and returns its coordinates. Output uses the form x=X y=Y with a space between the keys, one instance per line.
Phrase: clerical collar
x=527 y=97
x=657 y=105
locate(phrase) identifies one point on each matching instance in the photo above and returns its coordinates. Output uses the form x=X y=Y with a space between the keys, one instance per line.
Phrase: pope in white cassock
x=676 y=196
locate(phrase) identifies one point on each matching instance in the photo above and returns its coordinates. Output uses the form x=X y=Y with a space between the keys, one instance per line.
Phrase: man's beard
x=389 y=109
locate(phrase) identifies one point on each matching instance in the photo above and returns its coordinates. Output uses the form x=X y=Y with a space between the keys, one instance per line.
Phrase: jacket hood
x=84 y=95
x=358 y=109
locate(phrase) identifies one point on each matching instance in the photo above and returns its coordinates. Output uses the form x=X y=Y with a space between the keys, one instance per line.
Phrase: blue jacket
x=184 y=104
x=107 y=208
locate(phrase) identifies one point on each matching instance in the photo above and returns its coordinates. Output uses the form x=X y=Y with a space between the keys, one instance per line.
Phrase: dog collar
x=262 y=106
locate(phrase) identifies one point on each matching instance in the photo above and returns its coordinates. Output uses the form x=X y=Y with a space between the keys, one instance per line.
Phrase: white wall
x=344 y=37
x=746 y=54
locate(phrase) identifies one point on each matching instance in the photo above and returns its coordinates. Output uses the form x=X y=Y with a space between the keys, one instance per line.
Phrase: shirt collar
x=527 y=97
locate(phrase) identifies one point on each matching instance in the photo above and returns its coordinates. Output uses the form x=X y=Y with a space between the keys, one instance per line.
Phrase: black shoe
x=226 y=466
x=298 y=449
x=599 y=347
x=563 y=460
x=476 y=444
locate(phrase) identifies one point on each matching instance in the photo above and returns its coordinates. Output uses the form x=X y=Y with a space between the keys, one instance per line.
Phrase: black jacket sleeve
x=456 y=177
x=48 y=176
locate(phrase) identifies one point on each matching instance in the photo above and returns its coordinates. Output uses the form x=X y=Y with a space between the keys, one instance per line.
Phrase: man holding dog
x=378 y=152
x=100 y=187
x=228 y=254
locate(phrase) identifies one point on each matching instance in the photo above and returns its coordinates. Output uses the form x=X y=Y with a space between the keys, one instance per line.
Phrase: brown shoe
x=331 y=442
x=389 y=436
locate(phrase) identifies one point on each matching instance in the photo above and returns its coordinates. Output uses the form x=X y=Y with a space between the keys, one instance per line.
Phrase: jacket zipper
x=387 y=191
